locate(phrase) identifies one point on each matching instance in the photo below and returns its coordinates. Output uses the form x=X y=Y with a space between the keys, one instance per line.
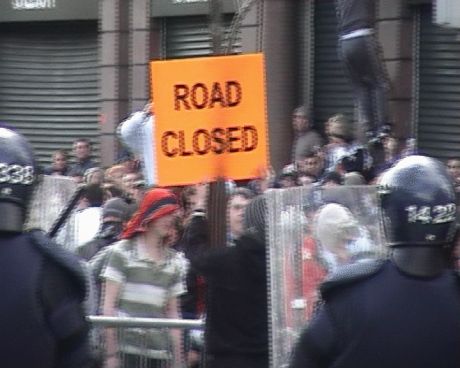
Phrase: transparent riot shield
x=50 y=197
x=312 y=231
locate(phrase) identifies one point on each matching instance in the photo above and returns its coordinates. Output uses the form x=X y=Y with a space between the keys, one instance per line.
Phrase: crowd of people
x=145 y=251
x=152 y=256
x=149 y=248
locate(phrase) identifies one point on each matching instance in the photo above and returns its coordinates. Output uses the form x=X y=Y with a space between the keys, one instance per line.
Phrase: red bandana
x=156 y=203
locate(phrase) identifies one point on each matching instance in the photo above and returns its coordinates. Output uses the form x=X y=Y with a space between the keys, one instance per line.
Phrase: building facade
x=77 y=68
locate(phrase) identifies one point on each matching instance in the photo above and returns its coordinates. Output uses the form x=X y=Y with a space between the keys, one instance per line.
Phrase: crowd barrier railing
x=124 y=342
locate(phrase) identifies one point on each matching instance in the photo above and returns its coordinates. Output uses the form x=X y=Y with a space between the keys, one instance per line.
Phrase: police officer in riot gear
x=42 y=287
x=403 y=311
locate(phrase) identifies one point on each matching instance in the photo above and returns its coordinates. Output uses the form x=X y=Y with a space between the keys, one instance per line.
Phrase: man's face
x=81 y=150
x=128 y=180
x=299 y=122
x=311 y=166
x=59 y=161
x=287 y=182
x=96 y=178
x=117 y=174
x=453 y=167
x=236 y=208
x=390 y=144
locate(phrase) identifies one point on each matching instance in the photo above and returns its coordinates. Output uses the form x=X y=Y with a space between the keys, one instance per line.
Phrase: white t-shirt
x=87 y=224
x=137 y=133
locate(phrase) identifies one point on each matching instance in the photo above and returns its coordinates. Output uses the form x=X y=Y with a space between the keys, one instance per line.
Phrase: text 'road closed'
x=210 y=118
x=215 y=141
x=201 y=95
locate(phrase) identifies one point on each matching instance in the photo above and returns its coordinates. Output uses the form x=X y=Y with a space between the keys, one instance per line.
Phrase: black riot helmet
x=17 y=179
x=419 y=215
x=418 y=203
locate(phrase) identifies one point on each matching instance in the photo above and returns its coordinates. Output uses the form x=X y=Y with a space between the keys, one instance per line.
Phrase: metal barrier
x=124 y=342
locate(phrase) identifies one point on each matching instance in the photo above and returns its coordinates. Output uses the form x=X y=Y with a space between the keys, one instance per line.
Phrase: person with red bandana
x=143 y=277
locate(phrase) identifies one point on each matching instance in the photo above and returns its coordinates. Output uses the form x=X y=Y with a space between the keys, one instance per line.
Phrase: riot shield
x=50 y=197
x=312 y=231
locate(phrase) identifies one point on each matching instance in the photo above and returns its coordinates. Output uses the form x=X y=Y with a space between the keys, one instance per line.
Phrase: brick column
x=113 y=15
x=139 y=55
x=250 y=29
x=395 y=30
x=279 y=46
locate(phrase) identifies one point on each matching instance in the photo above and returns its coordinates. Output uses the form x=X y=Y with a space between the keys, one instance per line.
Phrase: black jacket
x=42 y=318
x=355 y=14
x=79 y=168
x=237 y=315
x=383 y=318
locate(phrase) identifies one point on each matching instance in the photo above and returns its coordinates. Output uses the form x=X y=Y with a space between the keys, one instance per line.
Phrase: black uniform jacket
x=376 y=316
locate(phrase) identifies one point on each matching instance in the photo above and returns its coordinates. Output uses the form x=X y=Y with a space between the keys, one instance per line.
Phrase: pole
x=216 y=26
x=217 y=203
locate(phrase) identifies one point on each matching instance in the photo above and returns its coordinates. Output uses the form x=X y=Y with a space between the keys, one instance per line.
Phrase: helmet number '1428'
x=16 y=174
x=431 y=214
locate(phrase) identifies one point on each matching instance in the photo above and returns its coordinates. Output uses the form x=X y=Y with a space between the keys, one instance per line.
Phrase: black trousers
x=364 y=67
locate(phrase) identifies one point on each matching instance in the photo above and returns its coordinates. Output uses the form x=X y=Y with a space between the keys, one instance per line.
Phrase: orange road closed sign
x=210 y=118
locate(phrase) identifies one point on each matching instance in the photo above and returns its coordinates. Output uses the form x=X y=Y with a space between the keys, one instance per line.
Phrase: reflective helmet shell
x=418 y=203
x=17 y=177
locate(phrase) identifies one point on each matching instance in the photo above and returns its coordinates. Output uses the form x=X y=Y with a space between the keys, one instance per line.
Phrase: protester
x=363 y=64
x=138 y=265
x=115 y=213
x=287 y=178
x=59 y=165
x=305 y=179
x=236 y=205
x=130 y=162
x=95 y=175
x=237 y=314
x=332 y=178
x=453 y=168
x=341 y=143
x=112 y=190
x=354 y=178
x=265 y=179
x=114 y=174
x=305 y=138
x=136 y=133
x=131 y=184
x=336 y=229
x=138 y=191
x=310 y=164
x=82 y=153
x=88 y=215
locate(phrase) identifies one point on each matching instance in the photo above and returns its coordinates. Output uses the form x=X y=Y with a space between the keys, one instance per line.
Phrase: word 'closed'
x=203 y=141
x=200 y=96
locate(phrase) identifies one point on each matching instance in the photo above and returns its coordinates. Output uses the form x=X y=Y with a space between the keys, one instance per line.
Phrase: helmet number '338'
x=16 y=174
x=438 y=214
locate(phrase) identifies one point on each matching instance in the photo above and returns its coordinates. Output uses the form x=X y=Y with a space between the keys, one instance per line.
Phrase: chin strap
x=420 y=261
